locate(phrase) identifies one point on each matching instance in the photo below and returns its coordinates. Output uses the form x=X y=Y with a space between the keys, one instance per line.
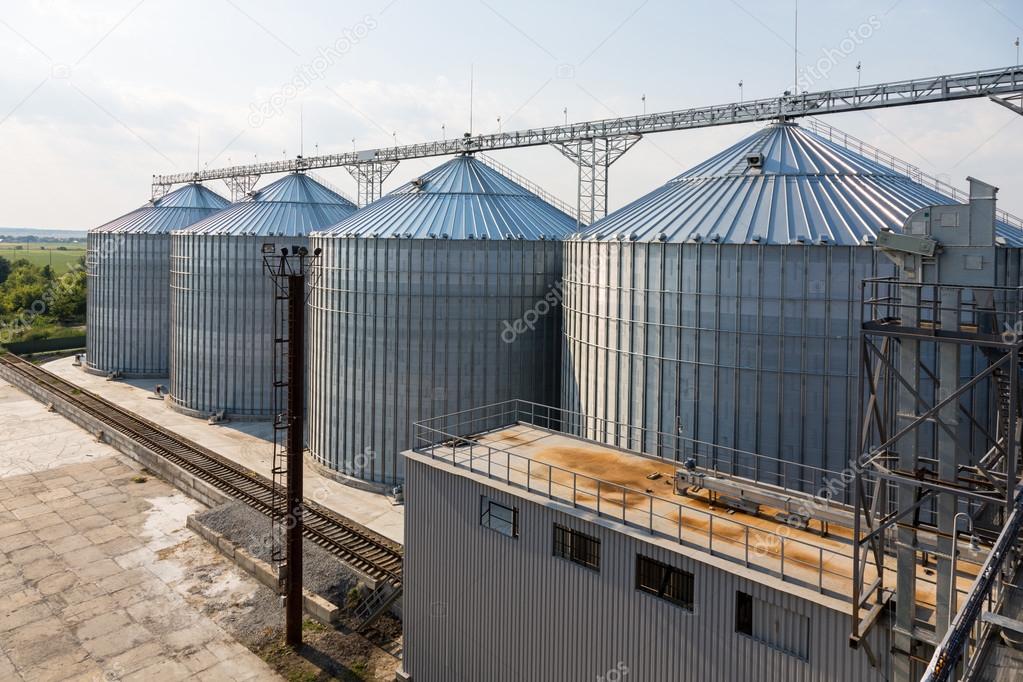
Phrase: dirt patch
x=329 y=653
x=325 y=654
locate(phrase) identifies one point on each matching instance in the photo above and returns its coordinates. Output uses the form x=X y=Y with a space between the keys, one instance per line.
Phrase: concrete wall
x=482 y=606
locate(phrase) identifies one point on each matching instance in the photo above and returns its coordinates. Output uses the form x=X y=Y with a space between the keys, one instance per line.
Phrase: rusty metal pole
x=296 y=392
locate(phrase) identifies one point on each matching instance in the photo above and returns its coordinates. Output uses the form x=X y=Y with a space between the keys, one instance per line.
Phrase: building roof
x=635 y=492
x=292 y=206
x=461 y=199
x=173 y=211
x=806 y=189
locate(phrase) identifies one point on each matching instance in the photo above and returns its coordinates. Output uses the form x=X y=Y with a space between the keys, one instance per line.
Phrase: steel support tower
x=287 y=270
x=370 y=176
x=941 y=351
x=593 y=157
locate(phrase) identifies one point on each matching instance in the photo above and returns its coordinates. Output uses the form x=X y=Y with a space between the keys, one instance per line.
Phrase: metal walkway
x=993 y=83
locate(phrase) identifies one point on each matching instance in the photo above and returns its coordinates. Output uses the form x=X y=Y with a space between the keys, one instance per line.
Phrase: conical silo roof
x=293 y=206
x=800 y=187
x=461 y=199
x=173 y=211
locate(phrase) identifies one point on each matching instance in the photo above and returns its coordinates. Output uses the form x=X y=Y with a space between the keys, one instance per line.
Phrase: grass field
x=57 y=255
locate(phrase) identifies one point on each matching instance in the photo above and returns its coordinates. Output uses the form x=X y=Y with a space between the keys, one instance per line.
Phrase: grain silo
x=222 y=299
x=723 y=307
x=127 y=268
x=438 y=297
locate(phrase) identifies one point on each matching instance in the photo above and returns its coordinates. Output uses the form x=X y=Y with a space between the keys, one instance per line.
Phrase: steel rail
x=354 y=544
x=991 y=82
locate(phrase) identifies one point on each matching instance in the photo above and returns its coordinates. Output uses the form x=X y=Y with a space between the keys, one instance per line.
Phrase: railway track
x=357 y=546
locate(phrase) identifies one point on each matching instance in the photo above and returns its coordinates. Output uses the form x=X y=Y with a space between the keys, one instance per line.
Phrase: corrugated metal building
x=128 y=278
x=504 y=584
x=723 y=306
x=437 y=296
x=222 y=298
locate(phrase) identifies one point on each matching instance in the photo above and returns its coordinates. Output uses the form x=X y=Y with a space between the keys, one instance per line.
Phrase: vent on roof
x=755 y=160
x=419 y=183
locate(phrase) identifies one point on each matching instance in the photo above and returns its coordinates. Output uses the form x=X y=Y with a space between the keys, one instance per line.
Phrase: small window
x=577 y=547
x=775 y=626
x=744 y=613
x=667 y=582
x=498 y=517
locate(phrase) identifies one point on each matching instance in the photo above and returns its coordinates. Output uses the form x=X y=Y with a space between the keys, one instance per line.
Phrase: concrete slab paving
x=101 y=579
x=246 y=442
x=122 y=601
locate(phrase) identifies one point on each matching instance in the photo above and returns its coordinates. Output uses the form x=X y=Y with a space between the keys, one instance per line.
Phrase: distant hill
x=20 y=233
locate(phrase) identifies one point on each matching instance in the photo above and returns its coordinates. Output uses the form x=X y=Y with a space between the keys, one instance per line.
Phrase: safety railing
x=528 y=184
x=458 y=439
x=970 y=631
x=901 y=166
x=992 y=313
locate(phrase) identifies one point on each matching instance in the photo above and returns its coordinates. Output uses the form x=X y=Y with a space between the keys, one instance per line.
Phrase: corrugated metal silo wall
x=128 y=303
x=482 y=606
x=744 y=346
x=222 y=325
x=403 y=330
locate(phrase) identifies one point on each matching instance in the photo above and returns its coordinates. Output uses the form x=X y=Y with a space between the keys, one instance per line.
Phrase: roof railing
x=456 y=439
x=331 y=186
x=533 y=187
x=898 y=165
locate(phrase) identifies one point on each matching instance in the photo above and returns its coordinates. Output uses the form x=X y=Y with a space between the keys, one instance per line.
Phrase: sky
x=96 y=97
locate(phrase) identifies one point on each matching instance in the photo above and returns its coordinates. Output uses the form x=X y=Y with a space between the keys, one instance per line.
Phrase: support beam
x=1007 y=104
x=239 y=186
x=370 y=175
x=593 y=157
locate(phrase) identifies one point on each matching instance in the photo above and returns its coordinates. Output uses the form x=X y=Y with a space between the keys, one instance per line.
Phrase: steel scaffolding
x=935 y=359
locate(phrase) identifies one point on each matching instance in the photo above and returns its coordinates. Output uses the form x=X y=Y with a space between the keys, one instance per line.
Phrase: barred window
x=667 y=582
x=498 y=517
x=577 y=547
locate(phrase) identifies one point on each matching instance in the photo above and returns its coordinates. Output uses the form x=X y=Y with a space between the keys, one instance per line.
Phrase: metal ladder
x=279 y=470
x=376 y=604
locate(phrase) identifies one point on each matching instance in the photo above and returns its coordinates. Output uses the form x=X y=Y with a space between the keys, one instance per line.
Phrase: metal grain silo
x=222 y=301
x=723 y=307
x=127 y=269
x=415 y=307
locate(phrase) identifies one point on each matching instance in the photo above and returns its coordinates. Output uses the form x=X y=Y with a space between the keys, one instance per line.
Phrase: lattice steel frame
x=892 y=480
x=239 y=186
x=593 y=157
x=370 y=176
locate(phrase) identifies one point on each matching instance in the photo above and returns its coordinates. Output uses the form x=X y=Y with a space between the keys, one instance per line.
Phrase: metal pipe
x=952 y=592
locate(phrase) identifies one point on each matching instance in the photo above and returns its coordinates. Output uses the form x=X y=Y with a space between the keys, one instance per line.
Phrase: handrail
x=761 y=549
x=955 y=644
x=901 y=166
x=533 y=187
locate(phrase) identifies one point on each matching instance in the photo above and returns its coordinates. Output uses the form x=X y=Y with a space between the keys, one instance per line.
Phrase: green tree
x=67 y=302
x=23 y=287
x=5 y=269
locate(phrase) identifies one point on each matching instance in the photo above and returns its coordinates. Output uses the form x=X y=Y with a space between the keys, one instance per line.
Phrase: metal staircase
x=376 y=604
